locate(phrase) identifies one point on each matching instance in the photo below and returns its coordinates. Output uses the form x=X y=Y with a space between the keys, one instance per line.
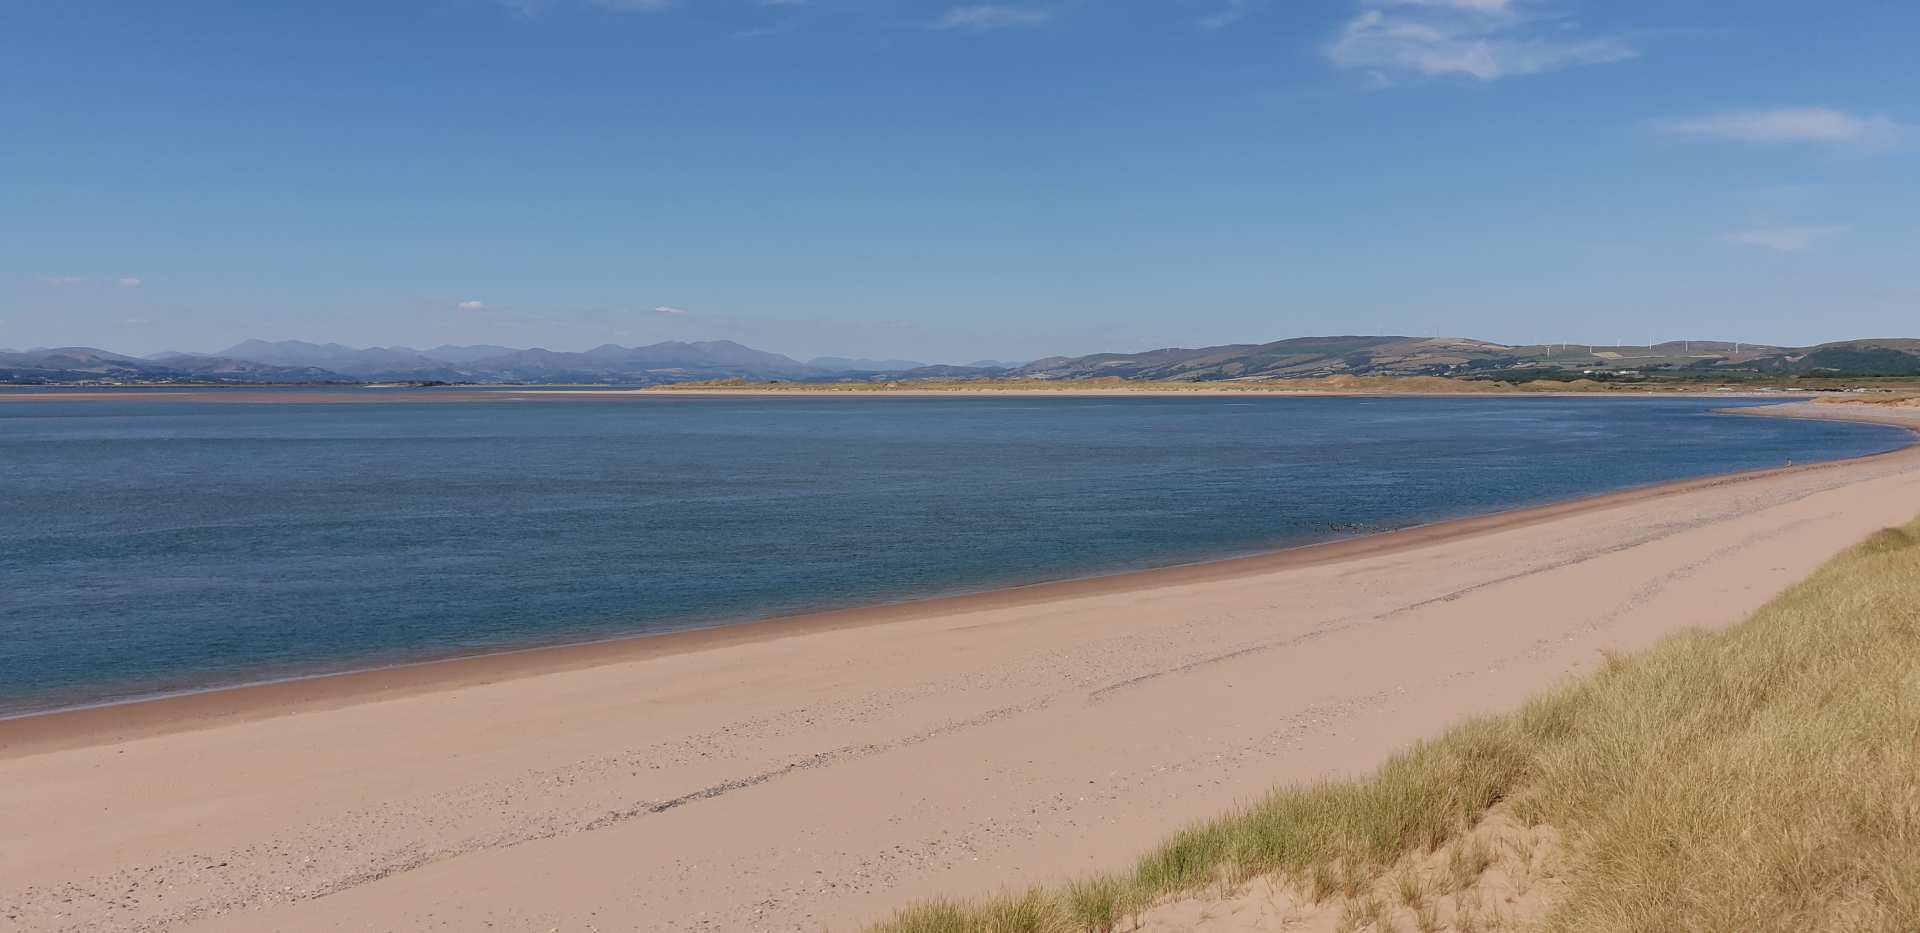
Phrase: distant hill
x=1297 y=357
x=1896 y=357
x=673 y=361
x=1314 y=357
x=85 y=364
x=294 y=361
x=459 y=355
x=841 y=364
x=373 y=363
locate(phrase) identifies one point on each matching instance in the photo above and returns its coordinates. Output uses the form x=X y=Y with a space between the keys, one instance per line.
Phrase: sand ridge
x=821 y=779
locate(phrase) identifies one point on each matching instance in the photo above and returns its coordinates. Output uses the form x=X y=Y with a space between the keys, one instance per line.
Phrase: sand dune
x=816 y=776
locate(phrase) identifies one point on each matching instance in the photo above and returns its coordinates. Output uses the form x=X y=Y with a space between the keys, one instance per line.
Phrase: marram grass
x=1761 y=778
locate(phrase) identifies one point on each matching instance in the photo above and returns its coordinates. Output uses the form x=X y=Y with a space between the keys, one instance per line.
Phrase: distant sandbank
x=1408 y=386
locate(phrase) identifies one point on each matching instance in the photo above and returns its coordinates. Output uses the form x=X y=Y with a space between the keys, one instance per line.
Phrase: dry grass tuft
x=1762 y=778
x=1410 y=888
x=1466 y=863
x=1099 y=903
x=1032 y=912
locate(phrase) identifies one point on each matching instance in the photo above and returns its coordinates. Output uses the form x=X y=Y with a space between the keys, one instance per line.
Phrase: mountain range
x=1314 y=357
x=295 y=362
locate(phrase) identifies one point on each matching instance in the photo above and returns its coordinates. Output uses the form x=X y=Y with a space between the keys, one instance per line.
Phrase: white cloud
x=637 y=6
x=137 y=322
x=472 y=305
x=128 y=282
x=1483 y=39
x=533 y=8
x=668 y=309
x=762 y=32
x=62 y=281
x=983 y=17
x=1478 y=6
x=1782 y=239
x=1792 y=125
x=1233 y=12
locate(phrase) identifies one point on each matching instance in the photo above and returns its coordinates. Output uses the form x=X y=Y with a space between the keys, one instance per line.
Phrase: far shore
x=818 y=772
x=1330 y=387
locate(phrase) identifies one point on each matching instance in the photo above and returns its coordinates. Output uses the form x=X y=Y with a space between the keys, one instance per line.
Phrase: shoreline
x=175 y=711
x=395 y=395
x=820 y=782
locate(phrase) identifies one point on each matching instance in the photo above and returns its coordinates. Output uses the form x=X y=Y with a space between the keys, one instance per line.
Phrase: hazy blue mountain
x=293 y=361
x=85 y=364
x=672 y=361
x=80 y=358
x=466 y=354
x=608 y=363
x=944 y=371
x=841 y=364
x=369 y=363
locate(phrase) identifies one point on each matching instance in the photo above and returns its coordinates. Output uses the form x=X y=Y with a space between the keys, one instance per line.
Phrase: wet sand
x=818 y=771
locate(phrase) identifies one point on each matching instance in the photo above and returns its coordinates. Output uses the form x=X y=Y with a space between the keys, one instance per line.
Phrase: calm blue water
x=158 y=545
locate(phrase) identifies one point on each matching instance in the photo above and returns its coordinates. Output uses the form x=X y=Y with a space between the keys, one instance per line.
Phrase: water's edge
x=333 y=686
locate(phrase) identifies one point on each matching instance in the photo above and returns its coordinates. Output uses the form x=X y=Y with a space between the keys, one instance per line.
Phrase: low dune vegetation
x=1326 y=385
x=1494 y=383
x=1765 y=777
x=1888 y=399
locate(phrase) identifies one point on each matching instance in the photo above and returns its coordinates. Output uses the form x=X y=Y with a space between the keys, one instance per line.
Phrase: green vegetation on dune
x=1329 y=385
x=1761 y=778
x=1511 y=381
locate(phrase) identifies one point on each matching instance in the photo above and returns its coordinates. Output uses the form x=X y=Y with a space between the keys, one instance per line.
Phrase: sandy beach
x=818 y=772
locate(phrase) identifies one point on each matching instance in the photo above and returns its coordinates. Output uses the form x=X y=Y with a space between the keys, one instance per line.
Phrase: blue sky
x=954 y=181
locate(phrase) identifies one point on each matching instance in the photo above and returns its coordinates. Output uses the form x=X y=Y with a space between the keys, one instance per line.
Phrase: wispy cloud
x=1793 y=125
x=1782 y=239
x=1478 y=6
x=763 y=31
x=1482 y=39
x=669 y=310
x=1232 y=12
x=472 y=304
x=532 y=8
x=128 y=282
x=636 y=6
x=987 y=16
x=62 y=281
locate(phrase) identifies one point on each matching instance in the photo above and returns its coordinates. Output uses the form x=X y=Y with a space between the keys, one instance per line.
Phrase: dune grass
x=1341 y=384
x=1761 y=778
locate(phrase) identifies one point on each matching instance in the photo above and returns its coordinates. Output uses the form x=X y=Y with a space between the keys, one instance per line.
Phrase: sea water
x=159 y=544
